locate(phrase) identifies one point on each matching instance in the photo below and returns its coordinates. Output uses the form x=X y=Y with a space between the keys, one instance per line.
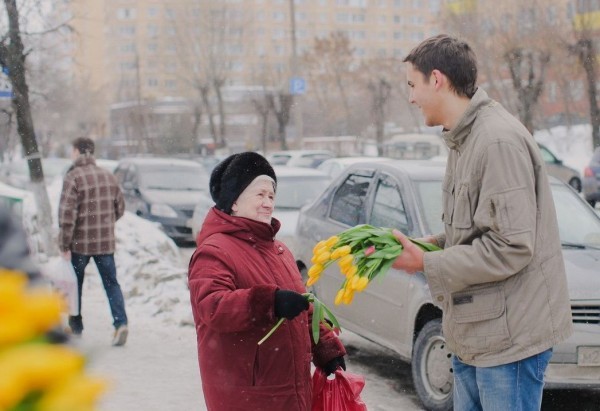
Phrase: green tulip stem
x=281 y=320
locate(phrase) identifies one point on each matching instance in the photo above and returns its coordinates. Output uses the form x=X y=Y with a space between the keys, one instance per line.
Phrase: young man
x=90 y=204
x=500 y=278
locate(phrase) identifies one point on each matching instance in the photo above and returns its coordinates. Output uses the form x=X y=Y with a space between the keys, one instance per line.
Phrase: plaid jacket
x=90 y=204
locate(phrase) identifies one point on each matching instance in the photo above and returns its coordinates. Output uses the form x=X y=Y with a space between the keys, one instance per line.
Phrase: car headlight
x=162 y=210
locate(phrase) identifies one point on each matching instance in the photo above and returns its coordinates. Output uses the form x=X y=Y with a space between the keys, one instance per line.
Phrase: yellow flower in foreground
x=77 y=394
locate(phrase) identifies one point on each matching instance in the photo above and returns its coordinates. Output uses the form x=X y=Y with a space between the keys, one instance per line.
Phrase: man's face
x=74 y=154
x=423 y=93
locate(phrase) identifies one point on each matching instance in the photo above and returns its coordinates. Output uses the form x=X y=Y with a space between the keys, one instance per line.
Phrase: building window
x=125 y=14
x=152 y=11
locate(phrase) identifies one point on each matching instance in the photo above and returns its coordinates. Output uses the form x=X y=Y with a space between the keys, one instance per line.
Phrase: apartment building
x=151 y=59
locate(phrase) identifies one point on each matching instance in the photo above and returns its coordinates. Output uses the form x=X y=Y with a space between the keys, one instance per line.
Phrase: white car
x=334 y=166
x=299 y=158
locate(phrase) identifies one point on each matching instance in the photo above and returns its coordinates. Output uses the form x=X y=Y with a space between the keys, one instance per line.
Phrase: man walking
x=500 y=278
x=90 y=204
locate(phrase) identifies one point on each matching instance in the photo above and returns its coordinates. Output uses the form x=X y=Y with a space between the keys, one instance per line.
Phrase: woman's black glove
x=333 y=365
x=289 y=304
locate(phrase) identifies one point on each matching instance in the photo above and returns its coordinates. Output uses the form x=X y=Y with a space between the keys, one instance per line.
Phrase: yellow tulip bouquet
x=363 y=253
x=36 y=374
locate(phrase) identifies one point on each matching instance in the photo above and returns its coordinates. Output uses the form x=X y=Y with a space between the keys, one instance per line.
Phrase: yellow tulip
x=323 y=257
x=339 y=296
x=353 y=281
x=44 y=309
x=344 y=250
x=350 y=271
x=77 y=393
x=312 y=280
x=331 y=241
x=361 y=284
x=320 y=245
x=348 y=296
x=315 y=270
x=346 y=261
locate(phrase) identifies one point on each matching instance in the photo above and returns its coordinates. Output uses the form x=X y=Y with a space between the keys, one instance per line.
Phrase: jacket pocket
x=479 y=320
x=462 y=208
x=447 y=199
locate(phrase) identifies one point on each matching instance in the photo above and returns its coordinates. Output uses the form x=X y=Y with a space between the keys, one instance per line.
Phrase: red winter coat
x=233 y=276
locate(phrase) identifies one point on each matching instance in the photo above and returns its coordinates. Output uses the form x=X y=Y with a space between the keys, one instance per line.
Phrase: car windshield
x=294 y=192
x=430 y=197
x=577 y=223
x=174 y=178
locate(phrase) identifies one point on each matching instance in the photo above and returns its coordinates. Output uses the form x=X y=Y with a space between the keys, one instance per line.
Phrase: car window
x=577 y=223
x=429 y=195
x=173 y=178
x=294 y=192
x=547 y=155
x=279 y=159
x=388 y=207
x=348 y=200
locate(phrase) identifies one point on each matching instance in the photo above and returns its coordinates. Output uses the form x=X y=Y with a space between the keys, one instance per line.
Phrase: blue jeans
x=108 y=273
x=516 y=386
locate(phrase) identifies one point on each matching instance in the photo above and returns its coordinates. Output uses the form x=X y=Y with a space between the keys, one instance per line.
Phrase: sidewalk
x=156 y=370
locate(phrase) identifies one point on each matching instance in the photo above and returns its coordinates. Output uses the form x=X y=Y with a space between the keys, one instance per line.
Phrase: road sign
x=5 y=85
x=297 y=85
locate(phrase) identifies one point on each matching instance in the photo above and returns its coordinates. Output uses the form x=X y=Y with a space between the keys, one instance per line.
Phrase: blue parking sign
x=297 y=85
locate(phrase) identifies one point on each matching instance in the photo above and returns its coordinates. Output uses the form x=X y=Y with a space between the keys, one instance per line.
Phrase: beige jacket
x=500 y=279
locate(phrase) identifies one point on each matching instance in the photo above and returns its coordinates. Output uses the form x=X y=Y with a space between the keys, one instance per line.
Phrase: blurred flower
x=362 y=253
x=34 y=373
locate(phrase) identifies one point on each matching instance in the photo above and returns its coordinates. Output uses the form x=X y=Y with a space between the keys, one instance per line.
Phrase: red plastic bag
x=339 y=394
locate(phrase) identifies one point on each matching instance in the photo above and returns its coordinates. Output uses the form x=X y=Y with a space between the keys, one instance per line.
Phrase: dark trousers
x=108 y=273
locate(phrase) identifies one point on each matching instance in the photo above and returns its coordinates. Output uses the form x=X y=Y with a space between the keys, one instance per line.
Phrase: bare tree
x=527 y=70
x=512 y=37
x=262 y=108
x=12 y=56
x=210 y=38
x=280 y=103
x=330 y=63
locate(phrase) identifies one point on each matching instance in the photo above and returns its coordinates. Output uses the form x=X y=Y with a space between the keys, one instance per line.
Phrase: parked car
x=591 y=179
x=164 y=190
x=397 y=312
x=334 y=166
x=16 y=173
x=296 y=187
x=299 y=158
x=556 y=168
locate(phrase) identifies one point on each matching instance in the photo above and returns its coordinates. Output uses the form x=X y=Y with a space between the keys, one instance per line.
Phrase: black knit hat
x=231 y=176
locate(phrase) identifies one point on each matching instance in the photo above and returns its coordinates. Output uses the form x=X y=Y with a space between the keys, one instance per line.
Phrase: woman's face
x=257 y=201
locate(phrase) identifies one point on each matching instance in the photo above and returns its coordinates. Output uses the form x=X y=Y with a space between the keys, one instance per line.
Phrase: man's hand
x=66 y=255
x=411 y=258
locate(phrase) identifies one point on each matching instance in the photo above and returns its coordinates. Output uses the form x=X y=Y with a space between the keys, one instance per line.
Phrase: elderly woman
x=242 y=280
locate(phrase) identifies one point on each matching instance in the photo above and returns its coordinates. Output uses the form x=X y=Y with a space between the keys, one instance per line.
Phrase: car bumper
x=568 y=369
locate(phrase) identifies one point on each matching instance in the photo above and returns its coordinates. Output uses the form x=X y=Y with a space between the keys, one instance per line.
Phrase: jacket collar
x=456 y=137
x=84 y=161
x=217 y=221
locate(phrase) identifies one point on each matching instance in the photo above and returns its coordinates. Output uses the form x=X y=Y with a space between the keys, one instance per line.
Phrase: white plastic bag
x=63 y=278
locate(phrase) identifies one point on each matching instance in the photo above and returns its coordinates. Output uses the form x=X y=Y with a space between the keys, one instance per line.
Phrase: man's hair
x=451 y=56
x=84 y=145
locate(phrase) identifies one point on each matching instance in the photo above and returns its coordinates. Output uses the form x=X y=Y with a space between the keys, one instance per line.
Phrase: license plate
x=588 y=356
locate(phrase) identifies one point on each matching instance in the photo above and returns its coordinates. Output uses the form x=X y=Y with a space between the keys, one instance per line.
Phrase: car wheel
x=432 y=368
x=576 y=184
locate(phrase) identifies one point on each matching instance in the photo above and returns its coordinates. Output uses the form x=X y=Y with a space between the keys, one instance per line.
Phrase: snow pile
x=149 y=267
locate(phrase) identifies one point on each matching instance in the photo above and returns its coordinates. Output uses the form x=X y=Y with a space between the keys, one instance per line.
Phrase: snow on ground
x=157 y=368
